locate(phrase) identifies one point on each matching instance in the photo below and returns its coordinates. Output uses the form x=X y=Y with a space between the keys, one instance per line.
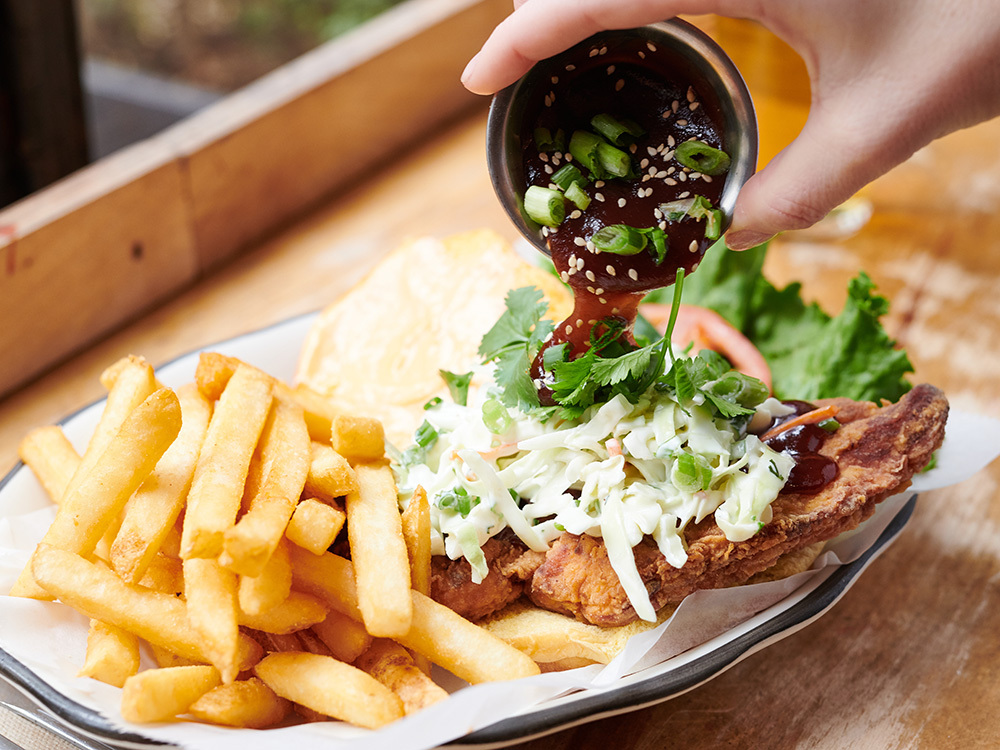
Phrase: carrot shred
x=810 y=417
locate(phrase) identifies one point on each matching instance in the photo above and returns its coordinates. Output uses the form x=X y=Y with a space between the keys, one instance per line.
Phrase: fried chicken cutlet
x=877 y=451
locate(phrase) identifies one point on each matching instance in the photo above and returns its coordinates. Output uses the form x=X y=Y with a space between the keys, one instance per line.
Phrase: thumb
x=832 y=158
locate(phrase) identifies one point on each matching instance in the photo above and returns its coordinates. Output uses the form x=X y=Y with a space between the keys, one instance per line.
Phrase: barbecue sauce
x=812 y=471
x=622 y=78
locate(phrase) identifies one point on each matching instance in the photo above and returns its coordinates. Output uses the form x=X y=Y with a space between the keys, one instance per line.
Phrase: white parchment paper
x=50 y=639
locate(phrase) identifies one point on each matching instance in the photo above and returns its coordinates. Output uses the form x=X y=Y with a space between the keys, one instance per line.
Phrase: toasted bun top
x=377 y=351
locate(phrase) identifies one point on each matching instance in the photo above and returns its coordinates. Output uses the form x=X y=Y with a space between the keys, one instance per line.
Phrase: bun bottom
x=559 y=642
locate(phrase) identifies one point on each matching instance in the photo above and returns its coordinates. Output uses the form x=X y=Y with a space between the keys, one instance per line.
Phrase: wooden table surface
x=910 y=657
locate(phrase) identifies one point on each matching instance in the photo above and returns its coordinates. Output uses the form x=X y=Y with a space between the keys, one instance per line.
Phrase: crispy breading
x=877 y=450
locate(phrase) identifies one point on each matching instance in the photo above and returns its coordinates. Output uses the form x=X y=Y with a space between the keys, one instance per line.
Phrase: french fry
x=330 y=687
x=249 y=704
x=151 y=512
x=284 y=453
x=346 y=639
x=210 y=591
x=357 y=438
x=417 y=533
x=314 y=645
x=260 y=593
x=162 y=694
x=94 y=500
x=297 y=612
x=277 y=642
x=51 y=457
x=391 y=664
x=314 y=525
x=165 y=658
x=443 y=636
x=217 y=488
x=330 y=474
x=112 y=654
x=97 y=592
x=213 y=374
x=375 y=532
x=164 y=575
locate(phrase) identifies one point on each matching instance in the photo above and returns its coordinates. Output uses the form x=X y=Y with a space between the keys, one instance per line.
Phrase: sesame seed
x=572 y=259
x=572 y=270
x=706 y=178
x=671 y=170
x=632 y=274
x=615 y=311
x=675 y=105
x=651 y=46
x=579 y=322
x=599 y=184
x=611 y=69
x=682 y=176
x=690 y=94
x=670 y=181
x=602 y=300
x=599 y=197
x=599 y=292
x=604 y=50
x=644 y=163
x=591 y=246
x=663 y=225
x=579 y=263
x=696 y=176
x=590 y=289
x=568 y=157
x=666 y=113
x=569 y=330
x=545 y=231
x=590 y=276
x=556 y=158
x=543 y=156
x=670 y=141
x=657 y=213
x=571 y=67
x=661 y=174
x=576 y=214
x=548 y=169
x=594 y=52
x=646 y=177
x=548 y=101
x=642 y=55
x=564 y=276
x=620 y=84
x=633 y=148
x=610 y=270
x=661 y=148
x=621 y=203
x=693 y=247
x=592 y=322
x=681 y=123
x=555 y=79
x=579 y=241
x=685 y=194
x=552 y=95
x=553 y=186
x=650 y=150
x=651 y=171
x=693 y=106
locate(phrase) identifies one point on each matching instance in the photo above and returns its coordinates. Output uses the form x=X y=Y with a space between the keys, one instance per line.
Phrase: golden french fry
x=151 y=512
x=271 y=587
x=315 y=525
x=345 y=638
x=330 y=474
x=171 y=546
x=97 y=592
x=162 y=694
x=95 y=500
x=392 y=665
x=165 y=575
x=165 y=658
x=213 y=374
x=417 y=533
x=314 y=645
x=51 y=457
x=297 y=612
x=284 y=452
x=358 y=438
x=249 y=704
x=443 y=636
x=111 y=373
x=210 y=591
x=375 y=532
x=217 y=488
x=330 y=687
x=277 y=642
x=112 y=654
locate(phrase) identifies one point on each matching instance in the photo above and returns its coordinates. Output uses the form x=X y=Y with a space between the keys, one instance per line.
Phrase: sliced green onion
x=546 y=142
x=436 y=401
x=578 y=196
x=713 y=227
x=701 y=157
x=495 y=416
x=616 y=163
x=676 y=210
x=568 y=175
x=691 y=473
x=619 y=239
x=458 y=385
x=830 y=425
x=583 y=147
x=620 y=132
x=659 y=243
x=700 y=207
x=544 y=205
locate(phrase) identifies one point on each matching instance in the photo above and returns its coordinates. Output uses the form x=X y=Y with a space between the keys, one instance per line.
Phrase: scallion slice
x=713 y=225
x=621 y=132
x=619 y=239
x=676 y=210
x=616 y=163
x=701 y=157
x=576 y=194
x=546 y=142
x=583 y=146
x=544 y=205
x=568 y=175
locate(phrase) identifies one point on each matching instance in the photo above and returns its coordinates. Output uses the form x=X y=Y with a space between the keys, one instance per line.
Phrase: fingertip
x=744 y=239
x=469 y=76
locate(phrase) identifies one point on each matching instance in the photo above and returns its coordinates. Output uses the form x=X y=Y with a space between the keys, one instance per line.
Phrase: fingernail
x=744 y=239
x=470 y=68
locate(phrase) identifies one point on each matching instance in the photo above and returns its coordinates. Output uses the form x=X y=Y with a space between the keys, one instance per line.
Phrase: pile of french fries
x=199 y=521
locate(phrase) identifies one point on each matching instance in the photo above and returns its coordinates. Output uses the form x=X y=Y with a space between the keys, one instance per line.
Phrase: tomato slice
x=706 y=329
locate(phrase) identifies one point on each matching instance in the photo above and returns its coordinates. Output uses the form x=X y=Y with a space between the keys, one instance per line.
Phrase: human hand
x=887 y=78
